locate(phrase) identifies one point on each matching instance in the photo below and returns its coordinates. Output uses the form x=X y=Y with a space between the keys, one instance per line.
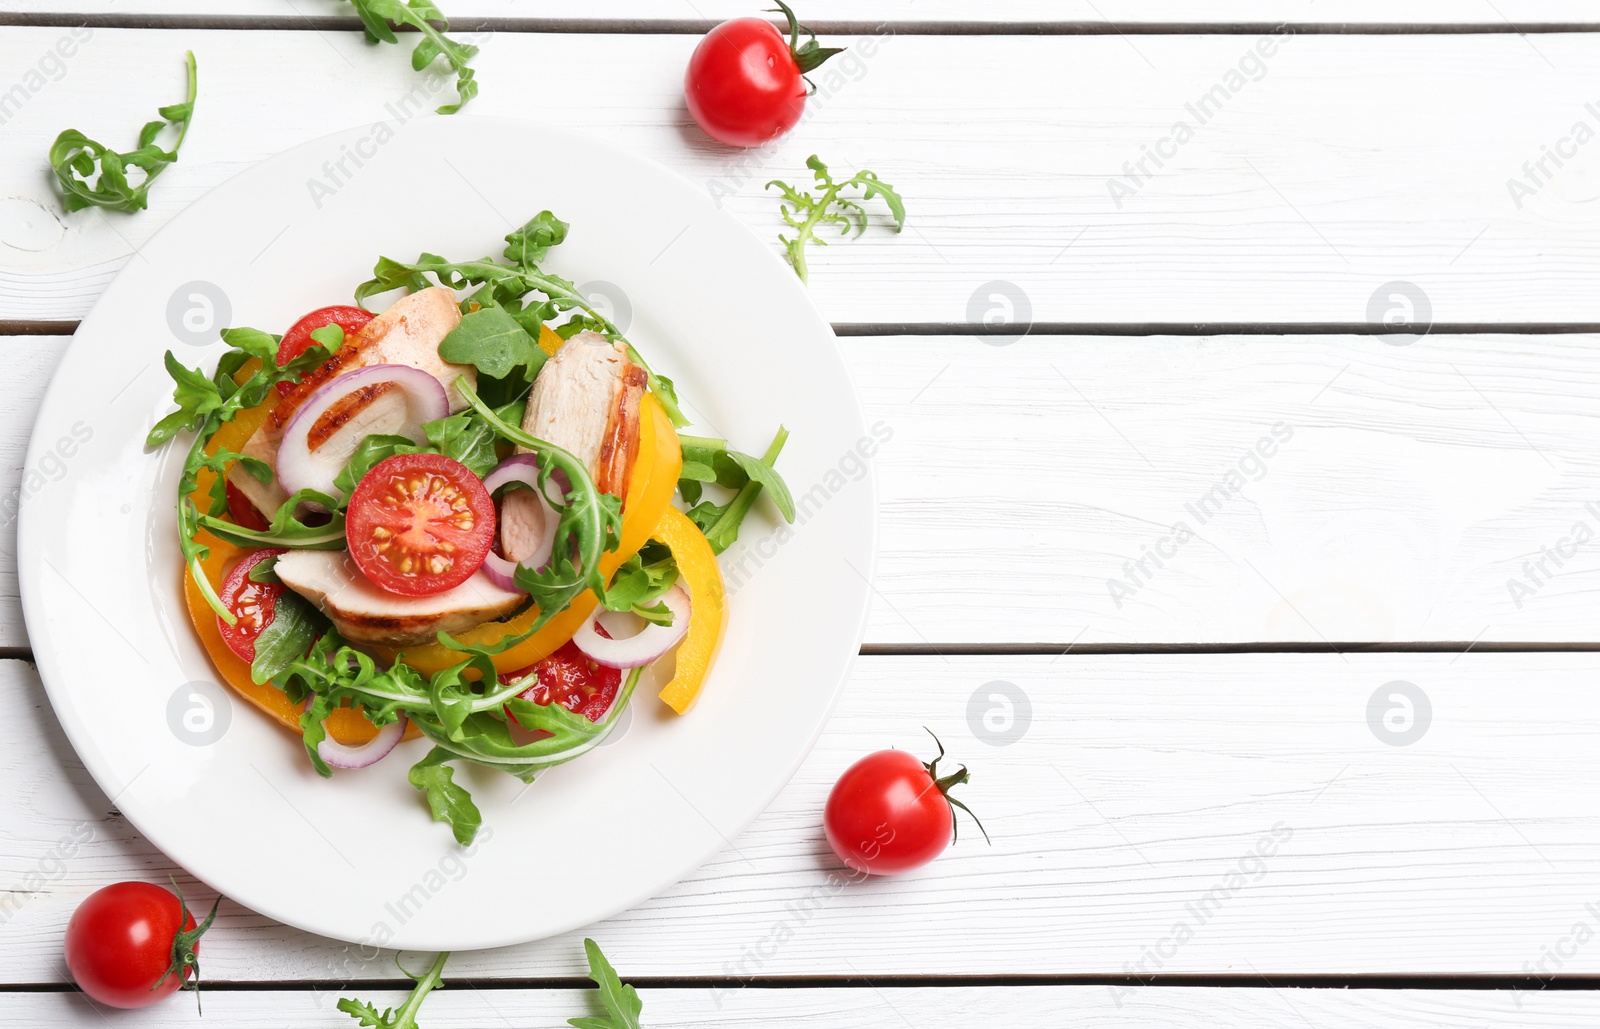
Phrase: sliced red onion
x=520 y=540
x=339 y=755
x=641 y=648
x=300 y=467
x=501 y=572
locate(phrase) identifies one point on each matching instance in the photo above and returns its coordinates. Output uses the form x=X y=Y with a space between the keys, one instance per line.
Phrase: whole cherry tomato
x=131 y=944
x=746 y=83
x=890 y=813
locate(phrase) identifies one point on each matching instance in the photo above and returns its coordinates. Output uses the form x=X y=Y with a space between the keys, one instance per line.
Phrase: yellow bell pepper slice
x=708 y=607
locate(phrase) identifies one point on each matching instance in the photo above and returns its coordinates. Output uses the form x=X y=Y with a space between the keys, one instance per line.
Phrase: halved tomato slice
x=243 y=512
x=419 y=524
x=253 y=604
x=570 y=679
x=298 y=339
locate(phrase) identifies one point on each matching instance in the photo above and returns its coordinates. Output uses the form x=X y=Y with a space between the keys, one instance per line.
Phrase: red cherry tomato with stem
x=253 y=603
x=419 y=524
x=131 y=944
x=746 y=84
x=890 y=813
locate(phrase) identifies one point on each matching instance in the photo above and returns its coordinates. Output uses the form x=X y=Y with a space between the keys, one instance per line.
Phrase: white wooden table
x=1139 y=734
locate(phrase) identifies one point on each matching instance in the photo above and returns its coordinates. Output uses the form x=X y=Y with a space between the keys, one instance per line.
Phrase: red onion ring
x=535 y=552
x=300 y=468
x=340 y=755
x=641 y=648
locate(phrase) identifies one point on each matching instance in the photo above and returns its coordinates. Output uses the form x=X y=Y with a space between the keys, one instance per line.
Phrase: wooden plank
x=1216 y=814
x=1436 y=492
x=868 y=1008
x=1087 y=14
x=29 y=362
x=1352 y=162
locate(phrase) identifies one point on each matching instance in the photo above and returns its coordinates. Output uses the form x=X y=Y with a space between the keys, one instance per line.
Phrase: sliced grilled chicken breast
x=408 y=333
x=585 y=401
x=363 y=613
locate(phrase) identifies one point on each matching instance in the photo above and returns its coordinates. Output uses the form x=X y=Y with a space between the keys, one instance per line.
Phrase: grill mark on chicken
x=348 y=355
x=620 y=447
x=343 y=410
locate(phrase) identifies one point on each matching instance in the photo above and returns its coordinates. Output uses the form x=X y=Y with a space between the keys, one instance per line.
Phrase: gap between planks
x=854 y=329
x=1482 y=983
x=699 y=26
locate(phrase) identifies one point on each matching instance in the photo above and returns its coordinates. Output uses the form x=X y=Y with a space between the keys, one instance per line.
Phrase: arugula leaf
x=527 y=246
x=90 y=175
x=377 y=17
x=495 y=343
x=640 y=583
x=372 y=449
x=404 y=1017
x=766 y=477
x=330 y=335
x=469 y=439
x=720 y=522
x=449 y=802
x=263 y=346
x=314 y=729
x=710 y=460
x=804 y=212
x=621 y=1001
x=294 y=627
x=287 y=529
x=265 y=572
x=196 y=397
x=462 y=436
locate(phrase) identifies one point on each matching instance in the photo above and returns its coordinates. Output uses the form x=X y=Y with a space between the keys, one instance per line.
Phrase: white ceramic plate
x=357 y=857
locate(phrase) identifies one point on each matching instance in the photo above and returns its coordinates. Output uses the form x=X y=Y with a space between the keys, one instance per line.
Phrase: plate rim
x=96 y=761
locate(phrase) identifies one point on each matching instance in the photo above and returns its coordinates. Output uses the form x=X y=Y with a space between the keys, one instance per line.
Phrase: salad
x=455 y=520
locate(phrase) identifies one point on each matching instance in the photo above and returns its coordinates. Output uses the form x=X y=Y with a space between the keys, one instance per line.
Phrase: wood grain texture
x=1339 y=164
x=1089 y=14
x=1445 y=491
x=1207 y=814
x=868 y=1008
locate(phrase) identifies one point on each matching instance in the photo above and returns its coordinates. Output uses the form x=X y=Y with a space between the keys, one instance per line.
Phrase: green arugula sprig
x=204 y=405
x=621 y=1001
x=378 y=18
x=525 y=293
x=405 y=1016
x=76 y=159
x=710 y=461
x=465 y=717
x=806 y=212
x=642 y=581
